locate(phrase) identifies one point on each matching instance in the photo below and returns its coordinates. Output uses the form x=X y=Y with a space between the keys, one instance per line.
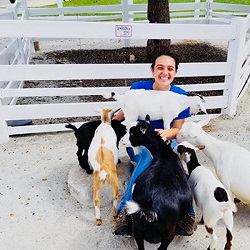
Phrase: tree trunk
x=158 y=12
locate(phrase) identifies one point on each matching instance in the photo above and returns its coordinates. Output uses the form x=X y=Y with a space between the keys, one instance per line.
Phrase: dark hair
x=170 y=54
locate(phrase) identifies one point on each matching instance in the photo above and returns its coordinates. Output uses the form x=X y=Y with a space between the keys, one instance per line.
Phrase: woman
x=164 y=68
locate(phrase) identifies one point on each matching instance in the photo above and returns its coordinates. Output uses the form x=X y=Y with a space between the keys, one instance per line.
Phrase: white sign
x=123 y=30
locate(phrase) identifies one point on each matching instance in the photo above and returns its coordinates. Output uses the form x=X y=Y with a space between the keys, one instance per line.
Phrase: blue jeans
x=143 y=161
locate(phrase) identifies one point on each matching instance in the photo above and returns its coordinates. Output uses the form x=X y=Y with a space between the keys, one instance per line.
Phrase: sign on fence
x=123 y=30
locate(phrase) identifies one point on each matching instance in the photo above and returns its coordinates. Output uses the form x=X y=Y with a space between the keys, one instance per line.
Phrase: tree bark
x=158 y=12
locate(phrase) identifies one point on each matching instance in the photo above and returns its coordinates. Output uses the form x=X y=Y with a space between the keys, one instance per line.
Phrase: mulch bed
x=187 y=52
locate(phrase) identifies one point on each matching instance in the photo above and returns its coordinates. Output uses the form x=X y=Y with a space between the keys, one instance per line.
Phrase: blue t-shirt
x=148 y=85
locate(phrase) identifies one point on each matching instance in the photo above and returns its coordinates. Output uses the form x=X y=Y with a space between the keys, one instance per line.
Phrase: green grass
x=76 y=3
x=107 y=2
x=72 y=3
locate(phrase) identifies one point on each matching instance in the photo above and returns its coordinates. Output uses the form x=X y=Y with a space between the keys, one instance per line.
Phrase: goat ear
x=182 y=156
x=195 y=94
x=204 y=122
x=203 y=108
x=98 y=110
x=147 y=118
x=200 y=147
x=181 y=149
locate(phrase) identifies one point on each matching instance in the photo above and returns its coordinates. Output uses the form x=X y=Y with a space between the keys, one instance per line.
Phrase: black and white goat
x=84 y=135
x=161 y=194
x=210 y=195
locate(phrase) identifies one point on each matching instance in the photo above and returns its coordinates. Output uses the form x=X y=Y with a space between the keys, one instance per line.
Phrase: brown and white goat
x=103 y=157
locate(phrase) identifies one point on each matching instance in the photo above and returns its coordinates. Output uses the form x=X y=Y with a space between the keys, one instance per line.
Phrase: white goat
x=211 y=197
x=103 y=157
x=231 y=162
x=166 y=105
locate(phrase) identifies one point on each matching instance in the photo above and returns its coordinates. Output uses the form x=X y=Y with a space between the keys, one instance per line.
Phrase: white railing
x=54 y=29
x=17 y=50
x=235 y=69
x=190 y=12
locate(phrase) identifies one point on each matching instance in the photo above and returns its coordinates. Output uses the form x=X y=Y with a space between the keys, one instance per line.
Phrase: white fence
x=236 y=69
x=13 y=50
x=190 y=12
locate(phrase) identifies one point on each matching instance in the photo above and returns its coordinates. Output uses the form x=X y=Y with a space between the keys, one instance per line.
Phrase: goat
x=161 y=194
x=166 y=105
x=84 y=135
x=231 y=162
x=211 y=197
x=103 y=157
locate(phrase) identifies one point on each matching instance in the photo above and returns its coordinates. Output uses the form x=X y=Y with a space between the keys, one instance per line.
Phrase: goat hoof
x=201 y=221
x=98 y=222
x=89 y=171
x=228 y=246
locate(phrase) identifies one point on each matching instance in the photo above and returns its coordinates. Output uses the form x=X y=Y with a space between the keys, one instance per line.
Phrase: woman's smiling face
x=164 y=72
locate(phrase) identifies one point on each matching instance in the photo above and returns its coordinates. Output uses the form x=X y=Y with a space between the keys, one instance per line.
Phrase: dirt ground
x=37 y=210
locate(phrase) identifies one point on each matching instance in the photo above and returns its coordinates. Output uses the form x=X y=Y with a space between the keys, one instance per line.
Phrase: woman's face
x=164 y=72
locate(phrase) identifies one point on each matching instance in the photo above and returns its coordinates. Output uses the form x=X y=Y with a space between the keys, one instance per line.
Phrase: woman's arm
x=119 y=116
x=169 y=134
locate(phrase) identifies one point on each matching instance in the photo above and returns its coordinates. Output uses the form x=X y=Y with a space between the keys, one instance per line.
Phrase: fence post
x=208 y=10
x=24 y=8
x=234 y=56
x=25 y=16
x=4 y=132
x=125 y=19
x=196 y=11
x=60 y=5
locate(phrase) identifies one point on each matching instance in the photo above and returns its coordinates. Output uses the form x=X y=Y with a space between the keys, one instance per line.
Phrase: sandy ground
x=37 y=210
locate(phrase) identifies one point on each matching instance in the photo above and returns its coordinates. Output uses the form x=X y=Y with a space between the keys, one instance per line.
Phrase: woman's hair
x=170 y=54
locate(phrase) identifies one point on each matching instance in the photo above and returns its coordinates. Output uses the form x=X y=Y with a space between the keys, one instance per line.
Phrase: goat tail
x=133 y=207
x=71 y=126
x=117 y=97
x=230 y=205
x=233 y=206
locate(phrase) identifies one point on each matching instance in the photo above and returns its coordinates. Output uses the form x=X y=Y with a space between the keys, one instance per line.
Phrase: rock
x=81 y=185
x=132 y=58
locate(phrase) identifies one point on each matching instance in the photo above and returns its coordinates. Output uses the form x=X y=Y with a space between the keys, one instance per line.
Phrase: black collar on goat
x=161 y=195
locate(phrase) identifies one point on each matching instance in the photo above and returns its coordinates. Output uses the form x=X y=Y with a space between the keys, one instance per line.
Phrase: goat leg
x=139 y=239
x=97 y=187
x=83 y=160
x=167 y=240
x=114 y=184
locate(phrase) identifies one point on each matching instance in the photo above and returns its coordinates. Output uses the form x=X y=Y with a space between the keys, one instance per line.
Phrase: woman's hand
x=119 y=116
x=167 y=134
x=163 y=133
